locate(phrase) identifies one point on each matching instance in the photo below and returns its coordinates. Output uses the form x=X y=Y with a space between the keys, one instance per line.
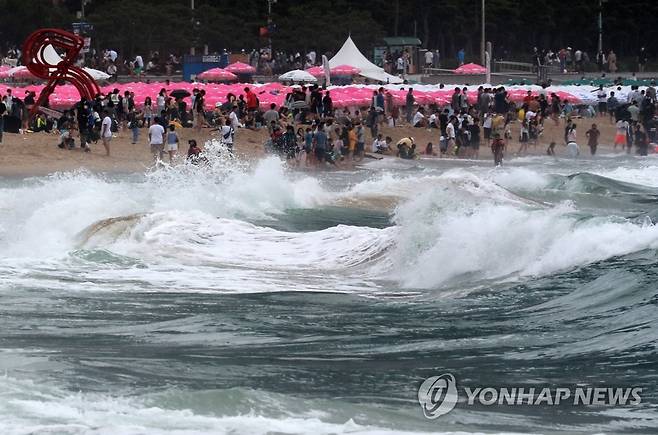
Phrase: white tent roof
x=349 y=54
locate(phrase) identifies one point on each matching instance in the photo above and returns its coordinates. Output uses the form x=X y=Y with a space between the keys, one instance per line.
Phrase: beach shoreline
x=36 y=154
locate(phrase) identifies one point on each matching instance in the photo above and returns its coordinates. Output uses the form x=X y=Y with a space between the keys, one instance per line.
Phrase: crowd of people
x=569 y=60
x=307 y=130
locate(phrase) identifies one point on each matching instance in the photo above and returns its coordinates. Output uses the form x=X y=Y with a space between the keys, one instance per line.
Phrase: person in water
x=640 y=140
x=593 y=138
x=194 y=153
x=551 y=149
x=497 y=147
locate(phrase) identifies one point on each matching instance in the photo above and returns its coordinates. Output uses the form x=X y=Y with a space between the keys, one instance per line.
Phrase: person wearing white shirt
x=434 y=121
x=139 y=65
x=419 y=119
x=379 y=145
x=226 y=134
x=235 y=122
x=156 y=140
x=429 y=59
x=106 y=131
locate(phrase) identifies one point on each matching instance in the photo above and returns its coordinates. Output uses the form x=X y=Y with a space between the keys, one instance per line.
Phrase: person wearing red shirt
x=252 y=100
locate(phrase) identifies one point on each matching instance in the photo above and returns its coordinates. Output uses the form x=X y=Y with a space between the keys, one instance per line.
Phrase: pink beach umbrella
x=316 y=71
x=471 y=68
x=217 y=75
x=568 y=96
x=21 y=73
x=240 y=68
x=344 y=70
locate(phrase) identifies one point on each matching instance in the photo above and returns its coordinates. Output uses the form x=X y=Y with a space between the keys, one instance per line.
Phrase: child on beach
x=148 y=111
x=172 y=142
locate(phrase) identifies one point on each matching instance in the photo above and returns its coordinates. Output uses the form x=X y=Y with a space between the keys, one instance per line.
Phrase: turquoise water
x=251 y=299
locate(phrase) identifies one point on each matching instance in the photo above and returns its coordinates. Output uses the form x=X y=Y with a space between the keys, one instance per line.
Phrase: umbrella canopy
x=217 y=75
x=240 y=68
x=316 y=71
x=21 y=72
x=179 y=93
x=96 y=74
x=344 y=70
x=298 y=75
x=471 y=68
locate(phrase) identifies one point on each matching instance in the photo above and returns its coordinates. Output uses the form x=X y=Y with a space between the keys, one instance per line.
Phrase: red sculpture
x=42 y=60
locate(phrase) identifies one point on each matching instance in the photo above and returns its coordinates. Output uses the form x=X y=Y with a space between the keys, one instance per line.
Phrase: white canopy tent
x=349 y=54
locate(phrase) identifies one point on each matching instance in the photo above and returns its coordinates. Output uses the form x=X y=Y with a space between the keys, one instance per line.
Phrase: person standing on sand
x=148 y=111
x=410 y=105
x=172 y=143
x=620 y=136
x=200 y=110
x=612 y=105
x=106 y=131
x=156 y=140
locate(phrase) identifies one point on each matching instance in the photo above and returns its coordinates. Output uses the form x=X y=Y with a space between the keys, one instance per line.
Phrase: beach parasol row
x=22 y=73
x=353 y=96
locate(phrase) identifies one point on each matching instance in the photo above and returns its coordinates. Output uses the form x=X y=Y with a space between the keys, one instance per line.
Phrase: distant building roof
x=398 y=41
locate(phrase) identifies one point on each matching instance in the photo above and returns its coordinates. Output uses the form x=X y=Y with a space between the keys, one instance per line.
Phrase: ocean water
x=252 y=299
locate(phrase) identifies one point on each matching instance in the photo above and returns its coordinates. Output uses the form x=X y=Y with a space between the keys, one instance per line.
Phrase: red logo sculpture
x=43 y=61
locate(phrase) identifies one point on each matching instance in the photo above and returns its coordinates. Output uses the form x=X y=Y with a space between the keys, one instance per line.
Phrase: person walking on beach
x=156 y=140
x=106 y=131
x=133 y=125
x=620 y=136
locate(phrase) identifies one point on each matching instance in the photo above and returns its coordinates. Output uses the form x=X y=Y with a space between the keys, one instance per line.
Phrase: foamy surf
x=253 y=299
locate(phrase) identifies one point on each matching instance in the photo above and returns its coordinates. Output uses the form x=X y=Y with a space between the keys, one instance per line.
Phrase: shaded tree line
x=132 y=27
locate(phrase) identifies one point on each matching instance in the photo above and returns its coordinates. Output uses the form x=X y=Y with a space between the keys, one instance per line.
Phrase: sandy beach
x=33 y=154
